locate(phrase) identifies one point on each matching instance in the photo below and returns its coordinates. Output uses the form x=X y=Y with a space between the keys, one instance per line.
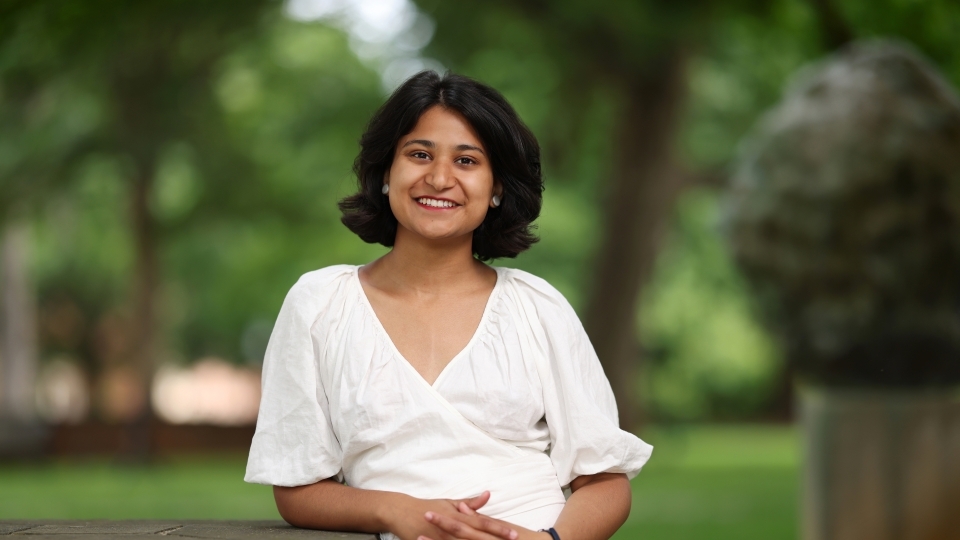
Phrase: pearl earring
x=385 y=189
x=496 y=201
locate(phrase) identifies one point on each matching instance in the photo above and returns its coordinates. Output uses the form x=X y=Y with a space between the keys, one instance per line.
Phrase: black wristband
x=552 y=532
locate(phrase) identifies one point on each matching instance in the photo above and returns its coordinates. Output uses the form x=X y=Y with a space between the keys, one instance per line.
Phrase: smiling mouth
x=436 y=203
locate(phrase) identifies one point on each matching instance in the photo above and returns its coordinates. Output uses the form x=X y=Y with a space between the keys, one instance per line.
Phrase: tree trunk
x=834 y=31
x=641 y=194
x=18 y=331
x=143 y=130
x=146 y=281
x=881 y=465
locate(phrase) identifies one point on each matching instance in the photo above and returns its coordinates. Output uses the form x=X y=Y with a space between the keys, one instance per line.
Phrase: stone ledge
x=174 y=529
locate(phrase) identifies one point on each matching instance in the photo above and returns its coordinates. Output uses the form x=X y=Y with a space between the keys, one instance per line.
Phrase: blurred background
x=753 y=206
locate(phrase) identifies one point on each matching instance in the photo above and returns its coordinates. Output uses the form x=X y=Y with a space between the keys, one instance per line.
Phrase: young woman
x=428 y=395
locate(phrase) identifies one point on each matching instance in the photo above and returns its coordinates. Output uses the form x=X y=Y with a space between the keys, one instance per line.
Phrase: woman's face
x=441 y=182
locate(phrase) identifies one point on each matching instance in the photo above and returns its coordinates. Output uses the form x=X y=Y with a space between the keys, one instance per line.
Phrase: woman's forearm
x=599 y=505
x=333 y=506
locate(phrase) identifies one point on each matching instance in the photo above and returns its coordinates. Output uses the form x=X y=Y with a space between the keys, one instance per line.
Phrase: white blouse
x=521 y=411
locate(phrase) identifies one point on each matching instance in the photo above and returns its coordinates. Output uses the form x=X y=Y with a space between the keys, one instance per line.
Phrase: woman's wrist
x=388 y=510
x=550 y=533
x=537 y=535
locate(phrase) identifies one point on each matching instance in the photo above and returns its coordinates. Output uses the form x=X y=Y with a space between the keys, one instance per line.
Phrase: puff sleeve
x=580 y=410
x=294 y=443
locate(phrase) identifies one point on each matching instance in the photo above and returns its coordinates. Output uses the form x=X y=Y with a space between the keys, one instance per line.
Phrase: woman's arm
x=331 y=505
x=599 y=505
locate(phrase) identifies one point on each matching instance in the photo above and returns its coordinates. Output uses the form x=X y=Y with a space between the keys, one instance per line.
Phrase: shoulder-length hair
x=514 y=154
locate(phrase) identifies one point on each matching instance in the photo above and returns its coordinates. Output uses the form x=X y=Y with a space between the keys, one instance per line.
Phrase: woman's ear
x=497 y=197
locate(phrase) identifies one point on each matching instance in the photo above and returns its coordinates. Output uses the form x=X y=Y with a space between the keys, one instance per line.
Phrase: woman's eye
x=465 y=161
x=420 y=155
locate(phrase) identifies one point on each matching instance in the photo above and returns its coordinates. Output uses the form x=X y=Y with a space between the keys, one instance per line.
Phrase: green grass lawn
x=717 y=483
x=702 y=483
x=195 y=488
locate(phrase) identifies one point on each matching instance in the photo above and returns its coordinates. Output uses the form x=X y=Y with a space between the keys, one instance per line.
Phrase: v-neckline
x=466 y=348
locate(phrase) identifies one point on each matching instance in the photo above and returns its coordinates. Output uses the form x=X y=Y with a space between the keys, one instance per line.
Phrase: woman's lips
x=436 y=204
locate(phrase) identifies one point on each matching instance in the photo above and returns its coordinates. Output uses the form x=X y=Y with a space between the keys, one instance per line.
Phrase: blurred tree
x=243 y=191
x=141 y=72
x=18 y=337
x=255 y=151
x=295 y=100
x=707 y=358
x=626 y=69
x=635 y=55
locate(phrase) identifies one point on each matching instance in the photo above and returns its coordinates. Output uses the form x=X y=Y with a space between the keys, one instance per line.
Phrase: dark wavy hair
x=514 y=154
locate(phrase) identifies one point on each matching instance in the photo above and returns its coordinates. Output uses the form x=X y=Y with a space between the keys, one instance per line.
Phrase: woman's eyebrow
x=422 y=142
x=431 y=144
x=462 y=147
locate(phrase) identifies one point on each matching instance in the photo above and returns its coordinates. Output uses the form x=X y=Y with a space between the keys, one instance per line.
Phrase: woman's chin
x=441 y=236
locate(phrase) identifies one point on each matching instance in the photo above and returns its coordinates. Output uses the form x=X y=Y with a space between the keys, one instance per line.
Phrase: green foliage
x=295 y=101
x=708 y=356
x=81 y=257
x=244 y=122
x=247 y=123
x=740 y=71
x=711 y=358
x=931 y=25
x=100 y=99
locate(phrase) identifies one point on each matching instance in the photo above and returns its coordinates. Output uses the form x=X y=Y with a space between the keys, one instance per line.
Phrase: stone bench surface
x=174 y=530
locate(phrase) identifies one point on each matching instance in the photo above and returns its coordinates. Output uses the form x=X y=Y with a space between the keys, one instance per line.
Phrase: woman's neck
x=432 y=266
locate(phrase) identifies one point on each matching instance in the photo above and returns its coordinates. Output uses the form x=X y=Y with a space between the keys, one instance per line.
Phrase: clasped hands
x=448 y=519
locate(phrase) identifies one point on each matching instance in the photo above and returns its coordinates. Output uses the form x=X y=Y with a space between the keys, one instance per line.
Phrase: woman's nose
x=441 y=176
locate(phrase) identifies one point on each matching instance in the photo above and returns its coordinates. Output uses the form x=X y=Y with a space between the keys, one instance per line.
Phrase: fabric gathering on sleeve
x=295 y=443
x=580 y=409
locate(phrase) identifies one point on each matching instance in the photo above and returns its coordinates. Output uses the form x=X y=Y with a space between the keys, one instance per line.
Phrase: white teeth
x=435 y=203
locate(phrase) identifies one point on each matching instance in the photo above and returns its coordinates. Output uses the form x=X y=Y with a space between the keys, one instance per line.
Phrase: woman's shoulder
x=538 y=290
x=319 y=287
x=529 y=281
x=324 y=277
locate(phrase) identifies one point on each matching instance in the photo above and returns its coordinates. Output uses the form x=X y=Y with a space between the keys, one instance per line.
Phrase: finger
x=474 y=528
x=495 y=527
x=439 y=534
x=454 y=528
x=442 y=535
x=464 y=509
x=477 y=502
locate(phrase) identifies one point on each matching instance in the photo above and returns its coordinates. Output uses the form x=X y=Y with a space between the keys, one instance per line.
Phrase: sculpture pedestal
x=880 y=465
